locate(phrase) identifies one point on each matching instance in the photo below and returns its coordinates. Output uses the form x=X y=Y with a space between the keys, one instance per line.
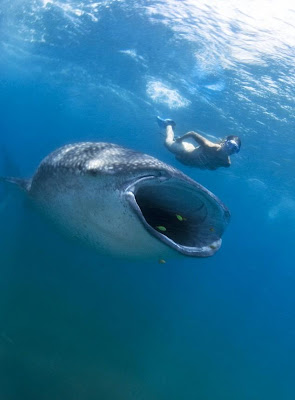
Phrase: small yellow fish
x=180 y=218
x=161 y=261
x=211 y=229
x=161 y=228
x=213 y=247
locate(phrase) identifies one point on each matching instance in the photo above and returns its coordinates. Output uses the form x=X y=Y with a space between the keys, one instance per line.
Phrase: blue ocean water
x=74 y=325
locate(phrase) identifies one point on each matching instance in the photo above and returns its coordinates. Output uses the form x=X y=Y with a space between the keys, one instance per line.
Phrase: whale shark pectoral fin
x=22 y=183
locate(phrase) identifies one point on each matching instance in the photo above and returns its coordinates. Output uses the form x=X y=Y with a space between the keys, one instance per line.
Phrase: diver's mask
x=231 y=147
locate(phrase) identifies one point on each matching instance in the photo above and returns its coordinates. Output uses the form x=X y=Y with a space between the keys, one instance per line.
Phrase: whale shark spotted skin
x=126 y=203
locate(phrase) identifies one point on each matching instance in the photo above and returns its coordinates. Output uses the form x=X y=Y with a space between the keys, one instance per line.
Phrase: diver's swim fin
x=163 y=123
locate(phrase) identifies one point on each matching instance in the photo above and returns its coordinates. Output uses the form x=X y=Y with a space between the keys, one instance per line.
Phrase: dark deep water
x=74 y=325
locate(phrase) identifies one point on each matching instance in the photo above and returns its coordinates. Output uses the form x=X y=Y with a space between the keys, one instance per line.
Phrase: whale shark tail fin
x=9 y=169
x=22 y=183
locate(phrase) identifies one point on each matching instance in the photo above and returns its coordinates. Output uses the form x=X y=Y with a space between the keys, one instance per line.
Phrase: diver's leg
x=182 y=146
x=169 y=141
x=176 y=146
x=167 y=125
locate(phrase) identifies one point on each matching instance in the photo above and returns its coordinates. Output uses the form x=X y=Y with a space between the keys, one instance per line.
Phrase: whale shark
x=126 y=203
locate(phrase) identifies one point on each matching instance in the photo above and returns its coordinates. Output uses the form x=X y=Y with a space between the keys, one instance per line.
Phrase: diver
x=207 y=155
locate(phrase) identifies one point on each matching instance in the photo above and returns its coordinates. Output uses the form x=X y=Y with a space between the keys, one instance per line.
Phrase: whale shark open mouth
x=180 y=213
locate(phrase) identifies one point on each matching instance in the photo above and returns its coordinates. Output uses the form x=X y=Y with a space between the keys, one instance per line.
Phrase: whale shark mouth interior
x=185 y=217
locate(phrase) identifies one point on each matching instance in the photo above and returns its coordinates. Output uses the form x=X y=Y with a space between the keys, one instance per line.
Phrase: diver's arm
x=198 y=138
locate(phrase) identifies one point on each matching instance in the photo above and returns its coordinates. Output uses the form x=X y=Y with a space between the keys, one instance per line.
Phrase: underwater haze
x=78 y=326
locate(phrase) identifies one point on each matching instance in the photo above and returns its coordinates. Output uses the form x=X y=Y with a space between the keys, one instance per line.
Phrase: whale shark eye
x=92 y=172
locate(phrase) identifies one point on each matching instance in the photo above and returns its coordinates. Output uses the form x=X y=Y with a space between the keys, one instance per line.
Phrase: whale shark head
x=128 y=203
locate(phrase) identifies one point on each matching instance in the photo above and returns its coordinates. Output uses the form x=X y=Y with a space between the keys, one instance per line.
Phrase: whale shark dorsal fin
x=22 y=183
